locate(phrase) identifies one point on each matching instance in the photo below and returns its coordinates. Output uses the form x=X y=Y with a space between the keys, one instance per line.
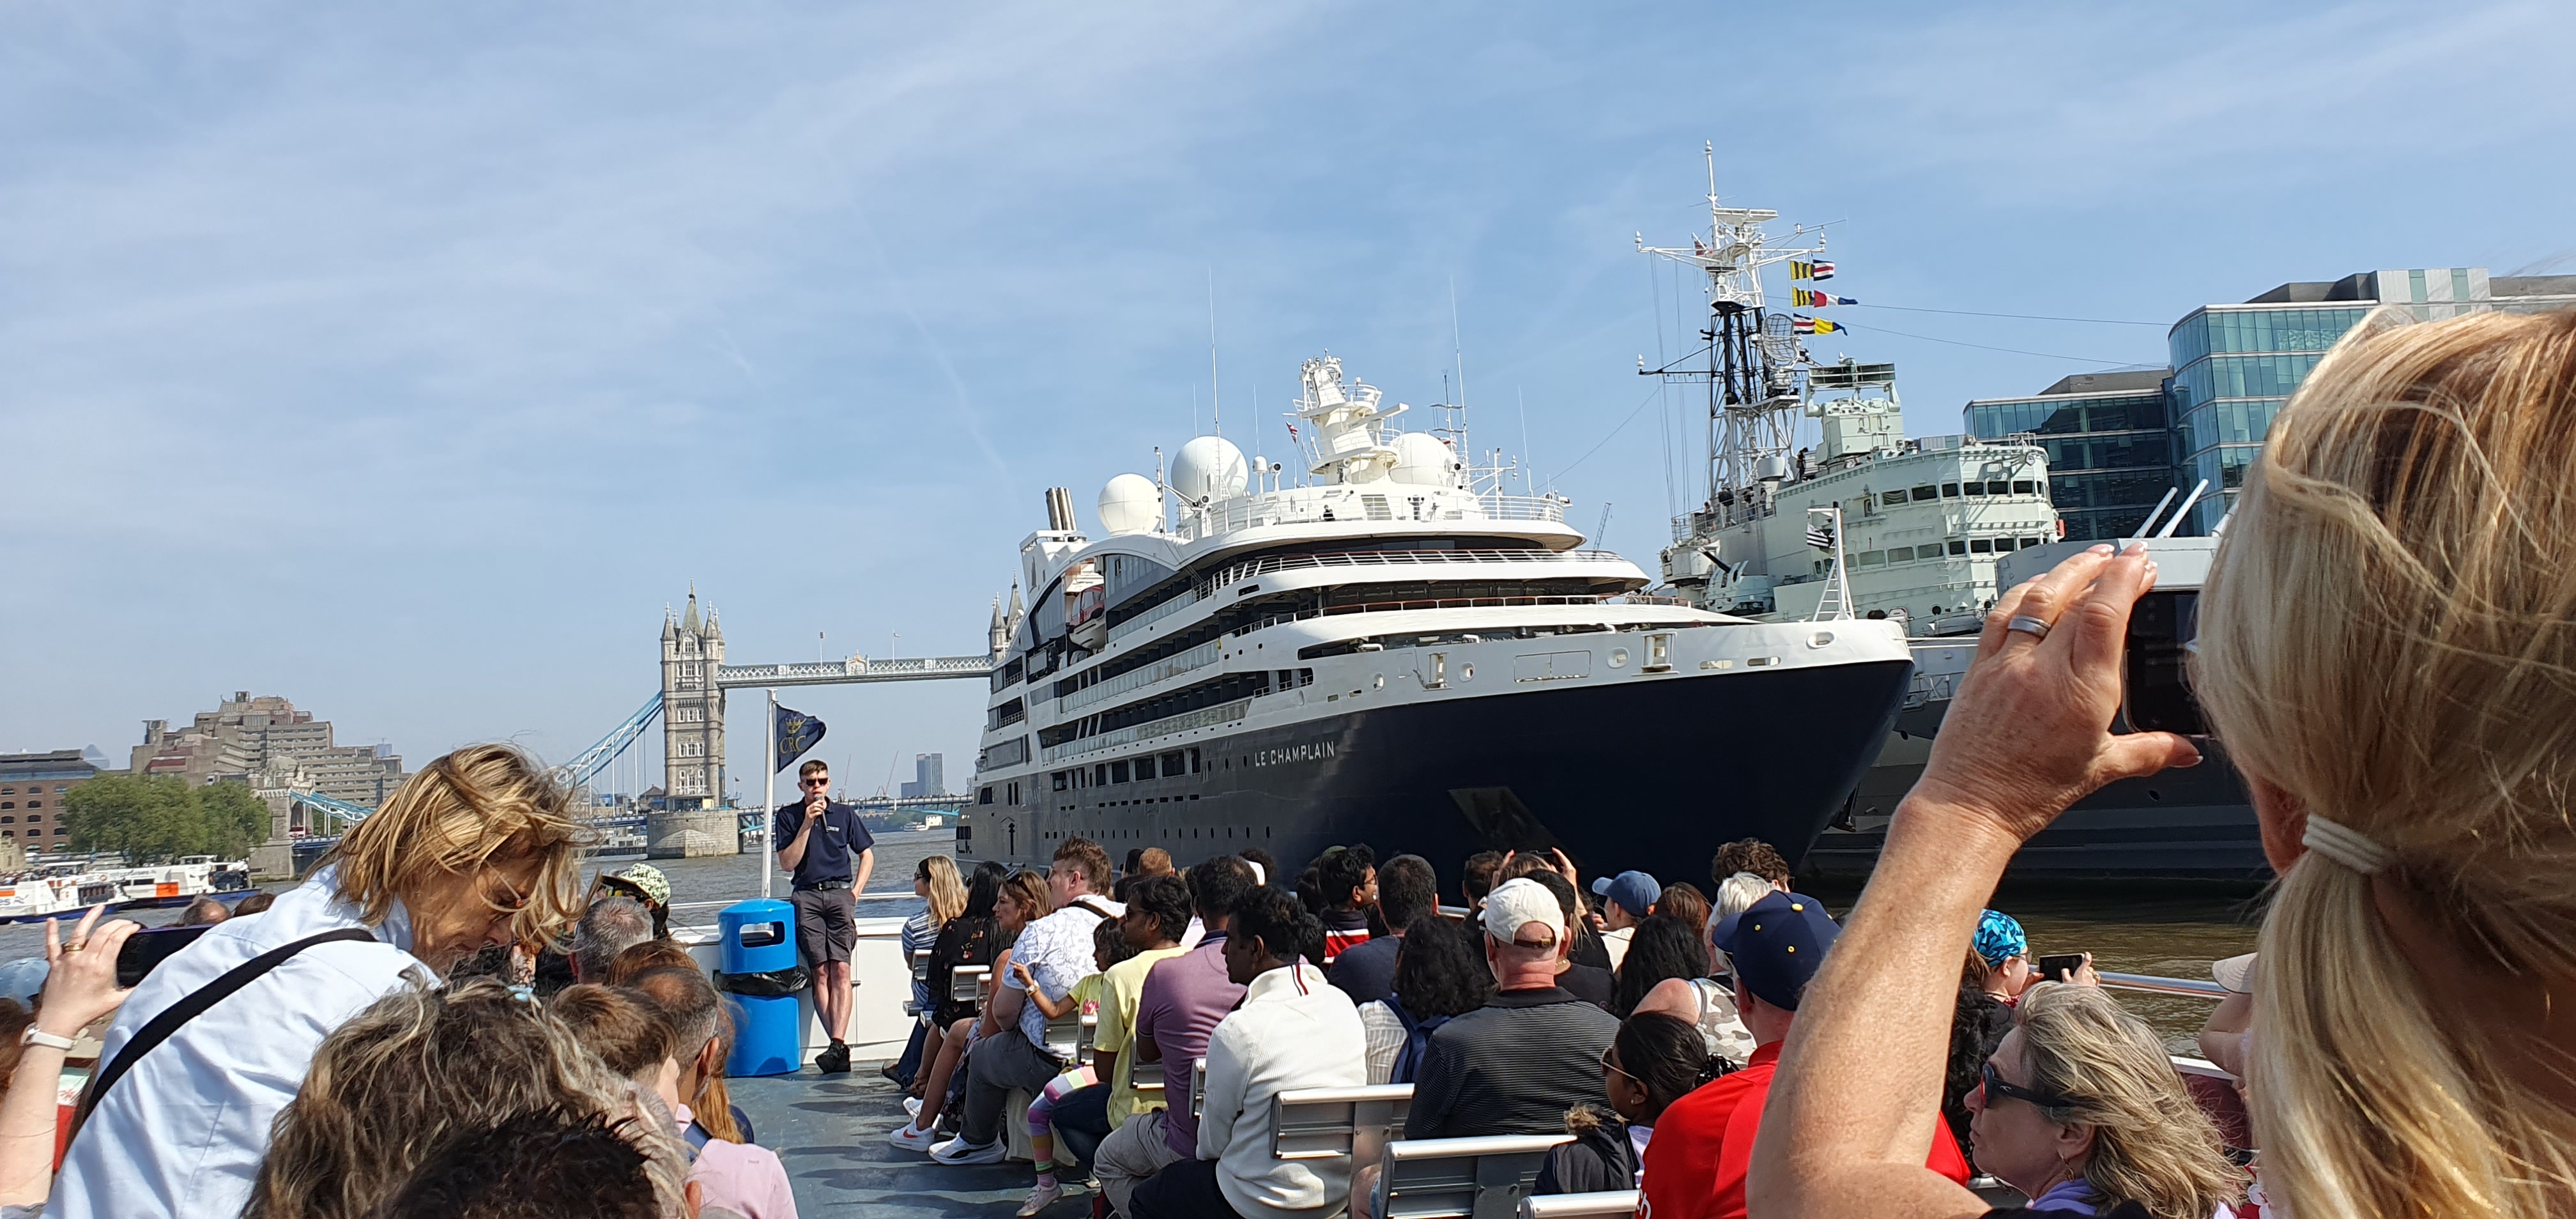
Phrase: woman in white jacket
x=478 y=848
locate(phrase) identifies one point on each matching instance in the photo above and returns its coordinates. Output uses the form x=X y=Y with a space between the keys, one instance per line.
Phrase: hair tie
x=2347 y=846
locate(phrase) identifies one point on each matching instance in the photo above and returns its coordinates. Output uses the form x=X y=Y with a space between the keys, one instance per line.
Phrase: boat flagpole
x=768 y=790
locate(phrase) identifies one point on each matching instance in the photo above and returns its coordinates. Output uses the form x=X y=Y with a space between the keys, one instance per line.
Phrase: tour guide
x=816 y=840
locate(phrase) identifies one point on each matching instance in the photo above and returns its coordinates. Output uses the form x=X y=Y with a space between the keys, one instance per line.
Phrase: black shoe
x=834 y=1060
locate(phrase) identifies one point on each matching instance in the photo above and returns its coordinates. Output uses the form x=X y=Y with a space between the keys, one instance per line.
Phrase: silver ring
x=2033 y=627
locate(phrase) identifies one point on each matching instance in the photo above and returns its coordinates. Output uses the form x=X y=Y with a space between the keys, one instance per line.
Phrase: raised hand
x=2030 y=730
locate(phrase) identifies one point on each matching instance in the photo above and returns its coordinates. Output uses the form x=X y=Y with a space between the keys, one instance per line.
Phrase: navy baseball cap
x=1634 y=891
x=1777 y=944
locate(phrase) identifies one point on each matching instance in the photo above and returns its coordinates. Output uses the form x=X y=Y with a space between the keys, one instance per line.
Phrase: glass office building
x=2109 y=443
x=2235 y=365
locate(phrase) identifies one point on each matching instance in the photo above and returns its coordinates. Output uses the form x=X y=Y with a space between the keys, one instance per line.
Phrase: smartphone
x=2059 y=966
x=149 y=947
x=2156 y=689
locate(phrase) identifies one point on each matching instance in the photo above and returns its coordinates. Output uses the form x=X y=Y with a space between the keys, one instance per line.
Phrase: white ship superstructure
x=1915 y=525
x=1390 y=650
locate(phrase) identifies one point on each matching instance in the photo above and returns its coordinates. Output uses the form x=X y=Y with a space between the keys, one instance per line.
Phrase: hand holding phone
x=84 y=983
x=2075 y=968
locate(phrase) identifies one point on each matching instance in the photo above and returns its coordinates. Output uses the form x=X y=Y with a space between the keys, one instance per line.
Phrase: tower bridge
x=690 y=707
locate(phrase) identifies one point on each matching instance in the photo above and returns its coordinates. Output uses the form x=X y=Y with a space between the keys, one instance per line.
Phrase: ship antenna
x=1215 y=408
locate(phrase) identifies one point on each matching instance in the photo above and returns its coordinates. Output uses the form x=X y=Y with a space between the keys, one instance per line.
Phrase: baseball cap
x=1634 y=891
x=1777 y=944
x=1518 y=901
x=648 y=878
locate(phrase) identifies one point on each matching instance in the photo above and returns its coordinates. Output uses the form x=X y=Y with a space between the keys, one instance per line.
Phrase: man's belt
x=823 y=885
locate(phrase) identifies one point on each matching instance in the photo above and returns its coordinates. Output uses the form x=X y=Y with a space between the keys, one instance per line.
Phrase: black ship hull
x=1646 y=775
x=2186 y=825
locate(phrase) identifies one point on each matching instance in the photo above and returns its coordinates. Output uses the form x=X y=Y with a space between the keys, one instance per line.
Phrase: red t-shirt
x=1703 y=1145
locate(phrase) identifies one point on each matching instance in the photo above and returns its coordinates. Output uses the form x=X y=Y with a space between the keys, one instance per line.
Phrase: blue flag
x=797 y=732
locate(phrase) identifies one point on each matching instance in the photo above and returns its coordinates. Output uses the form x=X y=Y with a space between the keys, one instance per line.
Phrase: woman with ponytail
x=2388 y=650
x=1655 y=1060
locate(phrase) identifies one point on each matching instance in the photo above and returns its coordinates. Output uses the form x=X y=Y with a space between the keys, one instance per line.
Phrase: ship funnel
x=1059 y=508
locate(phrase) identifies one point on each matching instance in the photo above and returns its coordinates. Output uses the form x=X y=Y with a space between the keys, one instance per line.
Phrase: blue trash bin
x=759 y=937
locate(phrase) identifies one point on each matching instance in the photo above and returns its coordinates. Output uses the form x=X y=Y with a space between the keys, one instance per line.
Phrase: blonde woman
x=420 y=1068
x=2081 y=1111
x=934 y=881
x=478 y=848
x=2386 y=648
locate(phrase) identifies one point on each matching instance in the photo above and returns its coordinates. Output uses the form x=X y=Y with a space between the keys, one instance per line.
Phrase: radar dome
x=1421 y=460
x=1209 y=468
x=1131 y=503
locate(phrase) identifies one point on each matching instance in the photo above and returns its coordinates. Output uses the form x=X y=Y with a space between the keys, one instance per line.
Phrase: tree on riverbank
x=159 y=817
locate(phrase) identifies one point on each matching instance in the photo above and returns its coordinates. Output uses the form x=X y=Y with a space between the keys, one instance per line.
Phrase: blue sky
x=408 y=359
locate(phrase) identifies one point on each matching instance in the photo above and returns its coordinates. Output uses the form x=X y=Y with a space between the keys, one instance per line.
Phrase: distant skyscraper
x=930 y=776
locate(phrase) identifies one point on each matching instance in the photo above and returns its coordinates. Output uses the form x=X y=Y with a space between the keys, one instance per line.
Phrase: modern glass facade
x=2109 y=446
x=2234 y=365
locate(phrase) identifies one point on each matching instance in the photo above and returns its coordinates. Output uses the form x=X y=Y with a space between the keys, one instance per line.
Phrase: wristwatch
x=37 y=1036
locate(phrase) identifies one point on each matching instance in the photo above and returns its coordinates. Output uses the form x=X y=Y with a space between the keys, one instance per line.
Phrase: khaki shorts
x=826 y=924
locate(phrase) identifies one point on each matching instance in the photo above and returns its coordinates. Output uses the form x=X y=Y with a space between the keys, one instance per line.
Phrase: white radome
x=1131 y=503
x=1209 y=468
x=1421 y=460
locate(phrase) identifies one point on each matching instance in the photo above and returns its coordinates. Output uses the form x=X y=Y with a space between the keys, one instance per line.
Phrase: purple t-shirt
x=1179 y=1008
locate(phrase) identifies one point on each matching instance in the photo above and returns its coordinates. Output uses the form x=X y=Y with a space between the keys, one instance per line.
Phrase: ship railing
x=1395 y=558
x=1931 y=687
x=1204 y=717
x=1384 y=607
x=1179 y=602
x=1136 y=679
x=1398 y=502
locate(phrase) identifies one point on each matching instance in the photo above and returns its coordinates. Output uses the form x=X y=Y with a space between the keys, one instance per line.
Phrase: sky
x=408 y=360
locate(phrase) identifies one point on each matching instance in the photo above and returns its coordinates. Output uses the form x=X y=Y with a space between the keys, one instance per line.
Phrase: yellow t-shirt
x=1121 y=987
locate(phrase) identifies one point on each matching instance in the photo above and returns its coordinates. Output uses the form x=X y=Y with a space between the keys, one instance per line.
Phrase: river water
x=2173 y=931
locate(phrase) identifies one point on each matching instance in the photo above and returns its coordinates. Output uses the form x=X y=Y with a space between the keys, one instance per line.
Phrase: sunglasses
x=813 y=783
x=1607 y=1065
x=1995 y=1086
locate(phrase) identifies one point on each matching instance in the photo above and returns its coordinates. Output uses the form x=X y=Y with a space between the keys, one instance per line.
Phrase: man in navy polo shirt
x=818 y=842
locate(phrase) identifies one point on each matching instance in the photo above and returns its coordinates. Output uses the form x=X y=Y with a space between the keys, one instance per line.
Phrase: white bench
x=1608 y=1204
x=1471 y=1178
x=1338 y=1123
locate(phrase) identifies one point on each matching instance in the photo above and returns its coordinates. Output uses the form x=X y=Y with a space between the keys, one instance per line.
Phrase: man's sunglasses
x=1995 y=1086
x=823 y=782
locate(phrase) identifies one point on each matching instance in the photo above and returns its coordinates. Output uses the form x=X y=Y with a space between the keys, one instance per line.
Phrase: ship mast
x=1753 y=357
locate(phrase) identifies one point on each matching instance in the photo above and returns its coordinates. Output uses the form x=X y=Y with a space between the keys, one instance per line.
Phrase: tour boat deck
x=830 y=1132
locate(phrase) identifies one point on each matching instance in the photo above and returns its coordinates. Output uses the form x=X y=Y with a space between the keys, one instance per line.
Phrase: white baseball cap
x=2234 y=974
x=1520 y=901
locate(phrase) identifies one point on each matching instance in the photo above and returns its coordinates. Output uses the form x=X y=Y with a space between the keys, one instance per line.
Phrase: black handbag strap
x=190 y=1006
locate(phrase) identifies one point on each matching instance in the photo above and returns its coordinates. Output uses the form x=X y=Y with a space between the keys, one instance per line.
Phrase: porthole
x=1466 y=672
x=1378 y=682
x=1618 y=658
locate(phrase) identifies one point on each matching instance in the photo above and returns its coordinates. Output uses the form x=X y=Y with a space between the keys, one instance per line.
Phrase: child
x=1108 y=947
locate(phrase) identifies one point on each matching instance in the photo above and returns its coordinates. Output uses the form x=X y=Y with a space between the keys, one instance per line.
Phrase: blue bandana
x=1999 y=938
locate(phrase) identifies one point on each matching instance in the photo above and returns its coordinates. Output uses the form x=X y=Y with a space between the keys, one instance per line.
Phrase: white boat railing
x=1136 y=679
x=1204 y=717
x=1394 y=502
x=1154 y=615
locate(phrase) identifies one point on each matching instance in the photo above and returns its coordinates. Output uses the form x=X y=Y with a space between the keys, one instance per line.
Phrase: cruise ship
x=1390 y=650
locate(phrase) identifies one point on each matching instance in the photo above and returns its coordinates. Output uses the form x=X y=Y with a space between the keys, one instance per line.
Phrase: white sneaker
x=912 y=1106
x=959 y=1151
x=910 y=1137
x=1041 y=1198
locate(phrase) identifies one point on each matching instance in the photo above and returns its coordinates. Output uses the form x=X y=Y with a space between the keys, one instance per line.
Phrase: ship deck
x=830 y=1133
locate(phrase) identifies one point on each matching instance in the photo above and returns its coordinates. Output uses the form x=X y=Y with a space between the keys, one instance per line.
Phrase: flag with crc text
x=797 y=733
x=1820 y=270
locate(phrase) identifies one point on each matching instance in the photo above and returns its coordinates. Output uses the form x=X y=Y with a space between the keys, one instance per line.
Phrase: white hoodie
x=1294 y=1030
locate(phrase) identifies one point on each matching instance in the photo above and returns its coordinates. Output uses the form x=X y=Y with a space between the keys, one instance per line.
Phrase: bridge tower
x=693 y=709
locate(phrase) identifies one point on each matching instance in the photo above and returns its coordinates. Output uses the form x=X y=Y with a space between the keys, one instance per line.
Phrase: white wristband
x=37 y=1036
